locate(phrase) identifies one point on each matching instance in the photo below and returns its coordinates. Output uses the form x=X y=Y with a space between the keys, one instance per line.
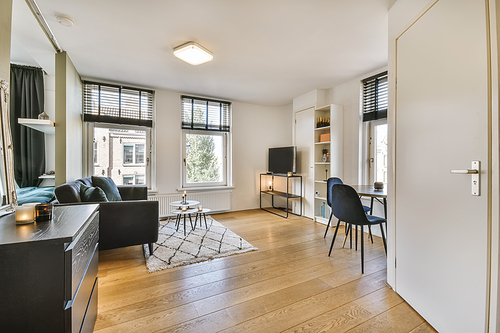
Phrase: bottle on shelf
x=322 y=122
x=323 y=210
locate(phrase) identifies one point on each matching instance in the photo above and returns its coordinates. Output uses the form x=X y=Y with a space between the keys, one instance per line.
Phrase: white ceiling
x=265 y=51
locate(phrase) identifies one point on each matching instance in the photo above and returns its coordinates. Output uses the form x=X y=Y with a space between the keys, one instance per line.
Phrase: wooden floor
x=288 y=285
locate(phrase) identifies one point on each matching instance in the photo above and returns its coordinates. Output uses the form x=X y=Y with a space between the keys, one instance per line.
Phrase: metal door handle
x=474 y=171
x=464 y=172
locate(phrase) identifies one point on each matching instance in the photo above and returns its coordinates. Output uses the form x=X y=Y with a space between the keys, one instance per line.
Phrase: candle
x=200 y=208
x=184 y=208
x=24 y=214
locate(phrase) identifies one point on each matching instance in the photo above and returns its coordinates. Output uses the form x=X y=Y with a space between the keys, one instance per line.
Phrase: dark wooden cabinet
x=48 y=272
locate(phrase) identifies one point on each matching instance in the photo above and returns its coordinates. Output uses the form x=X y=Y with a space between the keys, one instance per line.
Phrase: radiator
x=217 y=201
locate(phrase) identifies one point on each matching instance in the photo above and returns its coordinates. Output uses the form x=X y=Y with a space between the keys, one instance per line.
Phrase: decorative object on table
x=289 y=174
x=24 y=214
x=174 y=249
x=43 y=116
x=270 y=187
x=324 y=158
x=44 y=212
x=184 y=196
x=316 y=194
x=184 y=208
x=378 y=186
x=200 y=208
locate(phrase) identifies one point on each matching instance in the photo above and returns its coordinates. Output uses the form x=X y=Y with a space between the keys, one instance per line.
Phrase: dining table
x=370 y=191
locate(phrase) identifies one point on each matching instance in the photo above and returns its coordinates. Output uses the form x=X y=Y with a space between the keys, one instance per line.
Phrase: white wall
x=255 y=128
x=69 y=142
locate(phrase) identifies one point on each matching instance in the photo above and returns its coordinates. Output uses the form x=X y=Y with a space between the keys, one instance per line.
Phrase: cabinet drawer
x=78 y=255
x=78 y=305
x=91 y=313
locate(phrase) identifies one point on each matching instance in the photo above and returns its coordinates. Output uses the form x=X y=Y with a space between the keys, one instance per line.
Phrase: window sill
x=205 y=188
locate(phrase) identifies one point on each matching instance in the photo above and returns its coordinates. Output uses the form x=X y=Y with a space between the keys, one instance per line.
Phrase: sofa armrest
x=127 y=223
x=133 y=192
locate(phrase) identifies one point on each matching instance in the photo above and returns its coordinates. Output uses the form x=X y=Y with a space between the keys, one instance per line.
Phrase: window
x=122 y=156
x=375 y=103
x=96 y=153
x=375 y=97
x=133 y=153
x=119 y=121
x=206 y=131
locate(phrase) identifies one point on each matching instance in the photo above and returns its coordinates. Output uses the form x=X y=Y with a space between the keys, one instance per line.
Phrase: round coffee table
x=200 y=213
x=182 y=213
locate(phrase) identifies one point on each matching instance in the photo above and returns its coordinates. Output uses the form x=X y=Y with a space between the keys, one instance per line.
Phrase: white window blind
x=205 y=114
x=114 y=104
x=375 y=97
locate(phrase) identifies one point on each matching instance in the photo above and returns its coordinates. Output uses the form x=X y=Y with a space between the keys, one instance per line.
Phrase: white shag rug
x=174 y=249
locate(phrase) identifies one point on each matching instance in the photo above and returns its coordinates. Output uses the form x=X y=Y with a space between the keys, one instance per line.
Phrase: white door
x=304 y=140
x=442 y=124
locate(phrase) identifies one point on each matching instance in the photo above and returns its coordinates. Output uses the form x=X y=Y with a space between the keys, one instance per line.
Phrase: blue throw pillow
x=108 y=186
x=92 y=194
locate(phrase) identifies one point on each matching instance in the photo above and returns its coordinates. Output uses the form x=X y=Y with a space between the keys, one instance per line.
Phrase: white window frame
x=149 y=149
x=370 y=153
x=225 y=163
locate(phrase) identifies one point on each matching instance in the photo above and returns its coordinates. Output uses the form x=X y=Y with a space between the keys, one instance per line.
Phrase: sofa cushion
x=108 y=186
x=92 y=194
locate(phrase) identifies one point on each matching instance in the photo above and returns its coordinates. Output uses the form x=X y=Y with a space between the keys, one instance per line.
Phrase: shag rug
x=174 y=249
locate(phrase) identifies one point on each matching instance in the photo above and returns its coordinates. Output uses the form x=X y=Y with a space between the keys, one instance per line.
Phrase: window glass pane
x=204 y=158
x=381 y=153
x=139 y=154
x=121 y=154
x=128 y=154
x=128 y=180
x=95 y=153
x=139 y=180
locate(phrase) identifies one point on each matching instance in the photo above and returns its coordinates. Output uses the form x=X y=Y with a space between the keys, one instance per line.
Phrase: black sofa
x=133 y=221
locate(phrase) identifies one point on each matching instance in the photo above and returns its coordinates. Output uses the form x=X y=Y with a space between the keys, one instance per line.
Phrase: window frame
x=134 y=154
x=149 y=150
x=226 y=179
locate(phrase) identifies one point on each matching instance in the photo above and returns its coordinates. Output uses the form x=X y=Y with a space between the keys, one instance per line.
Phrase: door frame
x=492 y=165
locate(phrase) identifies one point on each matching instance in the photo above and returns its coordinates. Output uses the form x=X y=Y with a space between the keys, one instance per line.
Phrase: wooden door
x=442 y=124
x=304 y=140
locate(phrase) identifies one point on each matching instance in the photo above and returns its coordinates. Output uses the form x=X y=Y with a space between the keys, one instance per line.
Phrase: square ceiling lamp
x=193 y=53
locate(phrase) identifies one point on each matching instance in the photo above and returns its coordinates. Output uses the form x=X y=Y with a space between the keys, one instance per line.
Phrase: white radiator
x=217 y=201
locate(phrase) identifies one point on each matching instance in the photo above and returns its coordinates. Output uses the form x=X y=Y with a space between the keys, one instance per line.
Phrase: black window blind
x=375 y=97
x=205 y=114
x=115 y=104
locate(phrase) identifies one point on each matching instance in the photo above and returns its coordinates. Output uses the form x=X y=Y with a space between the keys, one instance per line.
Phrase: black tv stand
x=286 y=195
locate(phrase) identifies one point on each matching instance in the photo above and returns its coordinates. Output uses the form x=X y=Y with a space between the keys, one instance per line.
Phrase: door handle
x=464 y=172
x=475 y=170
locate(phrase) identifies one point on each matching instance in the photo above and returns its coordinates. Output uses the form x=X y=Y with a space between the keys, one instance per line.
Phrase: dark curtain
x=27 y=101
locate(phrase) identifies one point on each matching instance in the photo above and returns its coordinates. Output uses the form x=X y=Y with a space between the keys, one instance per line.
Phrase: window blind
x=114 y=104
x=205 y=114
x=375 y=97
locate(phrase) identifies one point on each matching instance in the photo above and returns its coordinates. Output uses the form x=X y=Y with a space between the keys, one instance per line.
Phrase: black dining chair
x=329 y=184
x=347 y=207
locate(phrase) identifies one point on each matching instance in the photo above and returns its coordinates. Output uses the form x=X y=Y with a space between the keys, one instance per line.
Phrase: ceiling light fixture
x=65 y=21
x=193 y=53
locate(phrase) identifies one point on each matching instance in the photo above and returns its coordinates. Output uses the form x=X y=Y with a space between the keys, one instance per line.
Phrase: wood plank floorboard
x=288 y=285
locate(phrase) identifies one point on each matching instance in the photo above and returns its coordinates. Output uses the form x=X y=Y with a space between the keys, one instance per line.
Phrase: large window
x=119 y=121
x=206 y=130
x=375 y=103
x=121 y=154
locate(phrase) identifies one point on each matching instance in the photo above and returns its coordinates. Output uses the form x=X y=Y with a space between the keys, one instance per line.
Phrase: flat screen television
x=282 y=160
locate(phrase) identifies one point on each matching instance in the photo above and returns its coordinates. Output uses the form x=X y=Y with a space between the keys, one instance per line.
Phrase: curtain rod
x=44 y=25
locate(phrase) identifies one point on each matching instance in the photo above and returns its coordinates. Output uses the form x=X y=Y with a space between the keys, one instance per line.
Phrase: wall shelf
x=45 y=126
